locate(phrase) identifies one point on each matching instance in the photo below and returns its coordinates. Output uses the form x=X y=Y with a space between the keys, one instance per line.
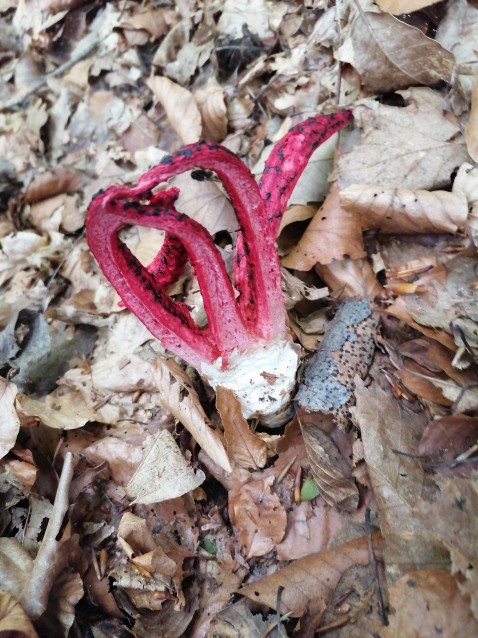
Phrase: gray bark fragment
x=345 y=351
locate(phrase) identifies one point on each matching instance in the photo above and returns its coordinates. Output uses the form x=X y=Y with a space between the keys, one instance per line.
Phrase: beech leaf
x=243 y=446
x=397 y=210
x=397 y=480
x=332 y=233
x=180 y=398
x=180 y=107
x=390 y=54
x=163 y=473
x=309 y=582
x=421 y=141
x=399 y=7
x=258 y=516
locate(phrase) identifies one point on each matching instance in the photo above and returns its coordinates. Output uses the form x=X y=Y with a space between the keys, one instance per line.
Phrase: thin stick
x=373 y=561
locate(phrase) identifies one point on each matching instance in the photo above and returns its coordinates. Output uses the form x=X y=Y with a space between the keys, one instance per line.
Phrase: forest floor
x=134 y=501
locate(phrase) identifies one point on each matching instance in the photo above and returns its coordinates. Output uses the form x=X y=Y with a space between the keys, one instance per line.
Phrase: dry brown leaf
x=350 y=278
x=244 y=447
x=331 y=234
x=396 y=210
x=471 y=130
x=9 y=422
x=180 y=398
x=181 y=109
x=390 y=54
x=430 y=600
x=310 y=582
x=13 y=620
x=258 y=517
x=218 y=578
x=163 y=473
x=397 y=480
x=449 y=436
x=399 y=7
x=421 y=142
x=453 y=513
x=51 y=183
x=212 y=106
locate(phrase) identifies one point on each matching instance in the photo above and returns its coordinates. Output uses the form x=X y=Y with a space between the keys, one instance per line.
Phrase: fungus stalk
x=245 y=345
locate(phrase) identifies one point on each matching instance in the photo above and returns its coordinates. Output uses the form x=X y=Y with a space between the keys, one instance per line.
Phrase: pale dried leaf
x=163 y=473
x=244 y=447
x=471 y=130
x=397 y=210
x=331 y=234
x=431 y=600
x=458 y=32
x=390 y=54
x=123 y=458
x=62 y=411
x=9 y=422
x=399 y=7
x=310 y=582
x=466 y=183
x=236 y=13
x=179 y=397
x=181 y=109
x=13 y=620
x=421 y=142
x=212 y=106
x=296 y=213
x=206 y=203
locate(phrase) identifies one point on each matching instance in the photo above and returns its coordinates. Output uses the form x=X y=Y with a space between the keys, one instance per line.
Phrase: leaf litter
x=135 y=500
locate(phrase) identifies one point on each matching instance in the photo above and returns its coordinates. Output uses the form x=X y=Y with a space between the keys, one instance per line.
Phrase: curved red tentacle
x=290 y=156
x=167 y=319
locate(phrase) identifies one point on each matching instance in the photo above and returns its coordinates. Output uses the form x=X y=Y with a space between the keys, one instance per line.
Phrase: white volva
x=262 y=377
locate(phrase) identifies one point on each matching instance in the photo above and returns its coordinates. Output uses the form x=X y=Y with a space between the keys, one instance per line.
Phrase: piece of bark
x=346 y=350
x=326 y=394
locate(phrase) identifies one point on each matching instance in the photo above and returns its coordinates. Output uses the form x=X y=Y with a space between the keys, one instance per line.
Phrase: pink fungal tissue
x=246 y=345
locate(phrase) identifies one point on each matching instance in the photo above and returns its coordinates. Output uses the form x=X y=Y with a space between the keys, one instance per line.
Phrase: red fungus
x=256 y=319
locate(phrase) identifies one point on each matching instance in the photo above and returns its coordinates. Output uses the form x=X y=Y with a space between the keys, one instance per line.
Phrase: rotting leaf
x=431 y=600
